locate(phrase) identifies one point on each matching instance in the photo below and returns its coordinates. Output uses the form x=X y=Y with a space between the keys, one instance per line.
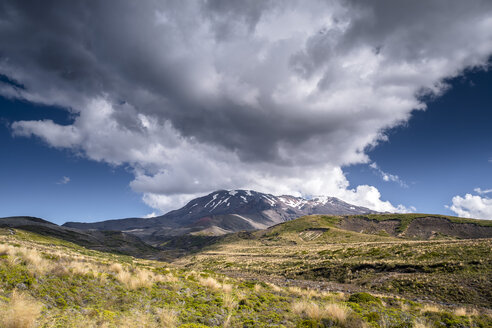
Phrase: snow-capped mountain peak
x=229 y=211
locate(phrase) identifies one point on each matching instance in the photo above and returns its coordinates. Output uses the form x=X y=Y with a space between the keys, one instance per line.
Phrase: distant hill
x=108 y=241
x=223 y=212
x=326 y=229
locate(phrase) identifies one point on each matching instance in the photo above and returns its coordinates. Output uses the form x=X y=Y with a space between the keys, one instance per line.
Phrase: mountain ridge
x=226 y=211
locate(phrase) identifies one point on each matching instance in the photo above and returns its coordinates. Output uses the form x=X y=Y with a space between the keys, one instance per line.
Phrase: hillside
x=225 y=211
x=393 y=254
x=109 y=241
x=48 y=282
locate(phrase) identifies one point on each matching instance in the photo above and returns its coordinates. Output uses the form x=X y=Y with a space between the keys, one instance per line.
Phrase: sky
x=117 y=109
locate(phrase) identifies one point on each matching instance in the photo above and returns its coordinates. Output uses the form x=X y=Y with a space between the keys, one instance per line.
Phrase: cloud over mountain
x=274 y=96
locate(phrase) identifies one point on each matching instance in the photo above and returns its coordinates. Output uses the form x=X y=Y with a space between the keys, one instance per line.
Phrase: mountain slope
x=408 y=254
x=225 y=211
x=108 y=241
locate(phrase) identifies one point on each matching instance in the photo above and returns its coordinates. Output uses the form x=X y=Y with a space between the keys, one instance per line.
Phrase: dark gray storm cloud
x=251 y=90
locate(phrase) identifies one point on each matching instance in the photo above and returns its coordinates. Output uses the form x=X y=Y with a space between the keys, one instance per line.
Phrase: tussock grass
x=307 y=309
x=136 y=318
x=421 y=323
x=138 y=279
x=116 y=268
x=431 y=308
x=337 y=312
x=35 y=261
x=229 y=302
x=21 y=312
x=461 y=312
x=167 y=318
x=210 y=282
x=274 y=287
x=213 y=284
x=311 y=310
x=227 y=321
x=4 y=249
x=227 y=288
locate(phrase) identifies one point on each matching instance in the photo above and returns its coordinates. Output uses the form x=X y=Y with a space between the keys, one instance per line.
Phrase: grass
x=21 y=311
x=46 y=283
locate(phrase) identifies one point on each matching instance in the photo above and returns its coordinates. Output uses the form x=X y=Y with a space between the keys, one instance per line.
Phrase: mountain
x=107 y=241
x=226 y=211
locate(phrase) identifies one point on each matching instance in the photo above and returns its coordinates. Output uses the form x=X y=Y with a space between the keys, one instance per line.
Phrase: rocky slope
x=418 y=226
x=226 y=211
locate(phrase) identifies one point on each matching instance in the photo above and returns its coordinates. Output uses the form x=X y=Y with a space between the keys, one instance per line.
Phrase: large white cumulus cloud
x=472 y=206
x=268 y=95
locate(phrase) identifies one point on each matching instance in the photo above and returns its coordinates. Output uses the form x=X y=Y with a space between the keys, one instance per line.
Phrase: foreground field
x=45 y=282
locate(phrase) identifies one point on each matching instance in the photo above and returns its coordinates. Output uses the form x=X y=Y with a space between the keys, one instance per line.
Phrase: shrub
x=364 y=298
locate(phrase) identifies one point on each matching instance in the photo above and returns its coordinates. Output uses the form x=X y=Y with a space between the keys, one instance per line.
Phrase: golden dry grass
x=421 y=323
x=4 y=249
x=337 y=312
x=308 y=309
x=21 y=312
x=229 y=302
x=227 y=321
x=430 y=308
x=210 y=282
x=312 y=310
x=36 y=264
x=274 y=287
x=137 y=278
x=115 y=267
x=461 y=311
x=136 y=318
x=227 y=288
x=167 y=318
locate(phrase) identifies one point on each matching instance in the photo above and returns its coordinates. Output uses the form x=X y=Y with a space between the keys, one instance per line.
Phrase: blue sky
x=32 y=176
x=441 y=152
x=132 y=110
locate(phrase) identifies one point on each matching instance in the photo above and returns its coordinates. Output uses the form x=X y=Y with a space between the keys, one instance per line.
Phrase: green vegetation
x=314 y=251
x=406 y=219
x=305 y=273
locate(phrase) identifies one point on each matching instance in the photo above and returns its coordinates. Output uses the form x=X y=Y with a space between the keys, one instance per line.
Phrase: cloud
x=196 y=96
x=63 y=180
x=387 y=176
x=151 y=215
x=482 y=192
x=472 y=206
